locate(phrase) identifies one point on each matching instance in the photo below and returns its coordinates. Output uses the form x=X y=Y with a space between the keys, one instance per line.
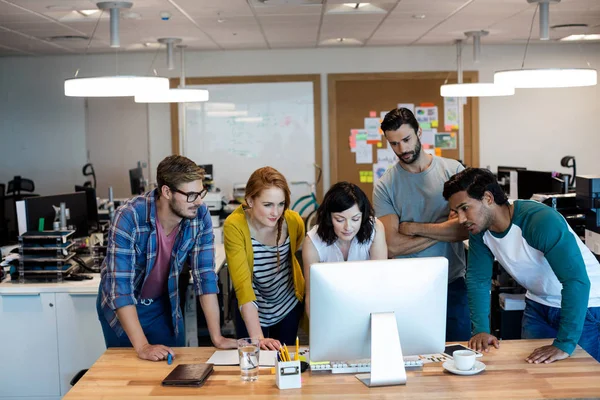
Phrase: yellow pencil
x=297 y=355
x=282 y=354
x=287 y=353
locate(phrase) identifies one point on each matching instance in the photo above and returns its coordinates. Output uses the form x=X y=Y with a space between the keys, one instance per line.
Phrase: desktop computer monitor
x=504 y=176
x=30 y=210
x=504 y=171
x=92 y=204
x=343 y=297
x=532 y=182
x=208 y=171
x=136 y=181
x=9 y=228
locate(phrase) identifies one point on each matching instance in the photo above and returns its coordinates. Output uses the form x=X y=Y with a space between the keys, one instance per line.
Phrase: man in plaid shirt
x=149 y=241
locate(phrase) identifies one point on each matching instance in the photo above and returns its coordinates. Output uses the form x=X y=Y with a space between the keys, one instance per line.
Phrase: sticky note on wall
x=365 y=176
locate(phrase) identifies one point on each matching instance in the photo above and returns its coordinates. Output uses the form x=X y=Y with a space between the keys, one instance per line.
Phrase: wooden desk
x=119 y=374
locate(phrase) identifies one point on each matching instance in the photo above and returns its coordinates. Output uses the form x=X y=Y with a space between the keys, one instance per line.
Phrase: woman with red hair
x=261 y=238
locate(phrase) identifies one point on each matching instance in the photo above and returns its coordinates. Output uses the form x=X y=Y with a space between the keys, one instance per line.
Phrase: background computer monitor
x=136 y=181
x=208 y=171
x=504 y=171
x=504 y=176
x=559 y=185
x=30 y=210
x=343 y=296
x=531 y=182
x=9 y=229
x=92 y=204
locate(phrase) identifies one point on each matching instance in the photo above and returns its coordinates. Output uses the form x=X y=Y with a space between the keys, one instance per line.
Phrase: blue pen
x=169 y=359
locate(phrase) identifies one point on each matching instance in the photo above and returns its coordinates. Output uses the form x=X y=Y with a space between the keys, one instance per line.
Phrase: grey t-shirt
x=417 y=197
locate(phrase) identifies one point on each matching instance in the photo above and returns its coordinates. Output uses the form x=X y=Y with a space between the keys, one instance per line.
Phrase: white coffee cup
x=464 y=359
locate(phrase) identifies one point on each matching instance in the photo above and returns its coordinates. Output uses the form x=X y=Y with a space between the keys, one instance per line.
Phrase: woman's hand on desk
x=225 y=343
x=546 y=355
x=156 y=352
x=482 y=342
x=269 y=344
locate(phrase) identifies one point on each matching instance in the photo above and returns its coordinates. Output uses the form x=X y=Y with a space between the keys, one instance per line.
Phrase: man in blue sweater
x=536 y=246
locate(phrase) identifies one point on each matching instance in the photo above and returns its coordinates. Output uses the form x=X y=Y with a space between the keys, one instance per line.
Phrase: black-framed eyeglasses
x=192 y=196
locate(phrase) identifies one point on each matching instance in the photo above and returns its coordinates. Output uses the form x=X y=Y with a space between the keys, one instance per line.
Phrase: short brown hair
x=175 y=170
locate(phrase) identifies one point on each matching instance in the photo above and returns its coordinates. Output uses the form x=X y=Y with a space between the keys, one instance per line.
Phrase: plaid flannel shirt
x=131 y=254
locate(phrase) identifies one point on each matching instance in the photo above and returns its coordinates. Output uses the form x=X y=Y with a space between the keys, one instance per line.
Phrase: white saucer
x=477 y=368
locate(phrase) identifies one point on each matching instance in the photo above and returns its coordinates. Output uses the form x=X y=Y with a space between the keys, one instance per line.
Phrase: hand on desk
x=156 y=352
x=546 y=355
x=482 y=342
x=269 y=344
x=225 y=343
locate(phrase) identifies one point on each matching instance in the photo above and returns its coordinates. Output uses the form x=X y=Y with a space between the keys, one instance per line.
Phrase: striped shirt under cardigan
x=273 y=284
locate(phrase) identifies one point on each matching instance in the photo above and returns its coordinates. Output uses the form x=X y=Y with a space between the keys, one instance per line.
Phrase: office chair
x=3 y=220
x=77 y=377
x=88 y=170
x=564 y=162
x=19 y=184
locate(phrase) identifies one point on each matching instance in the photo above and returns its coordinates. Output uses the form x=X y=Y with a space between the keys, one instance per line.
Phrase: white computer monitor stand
x=387 y=363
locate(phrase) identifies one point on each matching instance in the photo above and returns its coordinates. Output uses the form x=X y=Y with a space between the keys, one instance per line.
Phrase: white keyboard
x=357 y=367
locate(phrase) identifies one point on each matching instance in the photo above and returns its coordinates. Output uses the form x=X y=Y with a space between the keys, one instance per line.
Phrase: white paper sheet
x=426 y=115
x=428 y=136
x=386 y=155
x=450 y=111
x=410 y=106
x=231 y=357
x=372 y=127
x=364 y=153
x=378 y=170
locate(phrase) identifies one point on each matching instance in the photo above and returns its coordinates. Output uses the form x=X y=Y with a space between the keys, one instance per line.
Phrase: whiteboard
x=247 y=126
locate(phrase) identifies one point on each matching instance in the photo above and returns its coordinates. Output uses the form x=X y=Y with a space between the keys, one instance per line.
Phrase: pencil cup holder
x=287 y=374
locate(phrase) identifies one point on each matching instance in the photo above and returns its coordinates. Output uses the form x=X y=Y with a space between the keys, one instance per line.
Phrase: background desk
x=50 y=331
x=191 y=309
x=120 y=374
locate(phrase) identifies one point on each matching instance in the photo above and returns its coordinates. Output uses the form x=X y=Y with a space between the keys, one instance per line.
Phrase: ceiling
x=27 y=26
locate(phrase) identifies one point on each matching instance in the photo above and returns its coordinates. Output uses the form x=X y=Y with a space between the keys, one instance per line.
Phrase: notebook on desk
x=266 y=358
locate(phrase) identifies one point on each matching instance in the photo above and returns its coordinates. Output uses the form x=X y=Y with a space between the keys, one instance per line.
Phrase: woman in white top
x=346 y=230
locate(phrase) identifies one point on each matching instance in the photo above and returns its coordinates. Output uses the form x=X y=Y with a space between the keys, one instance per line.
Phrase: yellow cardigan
x=240 y=256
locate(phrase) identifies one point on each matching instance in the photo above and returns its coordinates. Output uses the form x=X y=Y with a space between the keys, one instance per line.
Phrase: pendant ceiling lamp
x=118 y=85
x=545 y=77
x=476 y=90
x=179 y=95
x=473 y=89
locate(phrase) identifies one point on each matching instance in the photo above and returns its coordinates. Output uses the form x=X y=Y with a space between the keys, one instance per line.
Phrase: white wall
x=117 y=138
x=159 y=136
x=534 y=128
x=42 y=133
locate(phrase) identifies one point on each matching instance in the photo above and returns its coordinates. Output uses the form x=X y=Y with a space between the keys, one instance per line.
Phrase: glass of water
x=249 y=352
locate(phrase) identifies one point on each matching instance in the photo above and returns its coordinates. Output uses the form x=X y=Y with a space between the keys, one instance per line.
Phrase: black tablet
x=188 y=375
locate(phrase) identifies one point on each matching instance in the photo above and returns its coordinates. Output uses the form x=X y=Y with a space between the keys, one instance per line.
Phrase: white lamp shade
x=173 y=96
x=475 y=90
x=114 y=86
x=547 y=78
